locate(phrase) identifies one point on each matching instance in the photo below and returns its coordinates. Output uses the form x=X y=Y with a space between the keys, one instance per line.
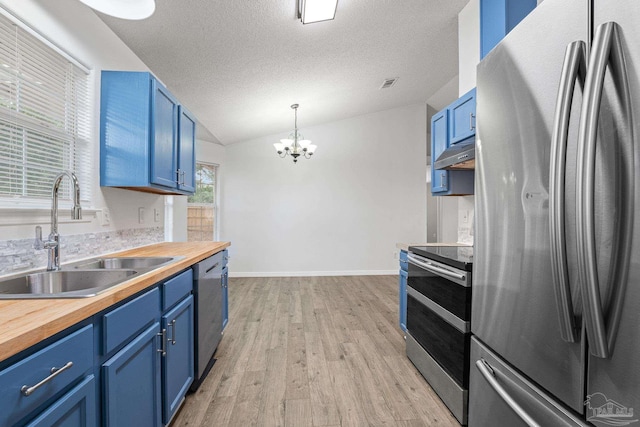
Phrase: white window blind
x=44 y=117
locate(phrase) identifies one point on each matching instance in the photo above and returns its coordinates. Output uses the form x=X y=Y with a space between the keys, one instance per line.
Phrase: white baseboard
x=313 y=273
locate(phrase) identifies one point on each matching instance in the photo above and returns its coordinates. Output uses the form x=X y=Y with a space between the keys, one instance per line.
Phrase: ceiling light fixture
x=295 y=145
x=123 y=9
x=310 y=11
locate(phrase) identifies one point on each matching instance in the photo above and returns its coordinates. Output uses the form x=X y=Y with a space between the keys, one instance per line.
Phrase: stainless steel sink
x=119 y=263
x=63 y=284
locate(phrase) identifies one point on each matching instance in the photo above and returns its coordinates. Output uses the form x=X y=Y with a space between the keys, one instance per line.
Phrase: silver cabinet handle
x=471 y=125
x=183 y=175
x=434 y=269
x=606 y=50
x=489 y=375
x=26 y=390
x=172 y=324
x=163 y=342
x=573 y=69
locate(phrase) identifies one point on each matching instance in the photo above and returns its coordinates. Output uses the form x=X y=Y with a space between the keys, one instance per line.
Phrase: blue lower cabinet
x=77 y=408
x=225 y=297
x=402 y=290
x=28 y=384
x=131 y=380
x=177 y=363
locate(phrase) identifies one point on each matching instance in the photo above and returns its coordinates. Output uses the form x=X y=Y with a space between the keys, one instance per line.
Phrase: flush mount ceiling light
x=295 y=145
x=124 y=9
x=310 y=11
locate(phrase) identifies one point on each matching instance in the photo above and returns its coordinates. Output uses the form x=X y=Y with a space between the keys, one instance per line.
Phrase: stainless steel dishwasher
x=207 y=291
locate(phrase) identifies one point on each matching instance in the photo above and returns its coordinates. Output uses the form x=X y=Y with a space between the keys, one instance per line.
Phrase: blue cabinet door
x=402 y=293
x=462 y=117
x=187 y=151
x=77 y=408
x=164 y=137
x=225 y=297
x=439 y=138
x=131 y=380
x=498 y=17
x=177 y=366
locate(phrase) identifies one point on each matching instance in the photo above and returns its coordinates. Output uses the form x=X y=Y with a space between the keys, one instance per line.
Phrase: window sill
x=34 y=216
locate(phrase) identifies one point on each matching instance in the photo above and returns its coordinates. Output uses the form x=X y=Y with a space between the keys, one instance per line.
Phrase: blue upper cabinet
x=450 y=126
x=187 y=153
x=147 y=141
x=164 y=146
x=462 y=118
x=439 y=139
x=498 y=17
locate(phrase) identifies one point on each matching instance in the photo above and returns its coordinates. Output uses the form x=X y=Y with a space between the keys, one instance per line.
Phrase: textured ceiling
x=239 y=64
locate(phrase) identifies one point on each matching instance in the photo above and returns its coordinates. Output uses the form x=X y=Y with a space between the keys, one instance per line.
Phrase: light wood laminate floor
x=313 y=351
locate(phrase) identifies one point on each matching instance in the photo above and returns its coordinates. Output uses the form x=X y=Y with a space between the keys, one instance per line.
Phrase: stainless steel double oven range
x=439 y=320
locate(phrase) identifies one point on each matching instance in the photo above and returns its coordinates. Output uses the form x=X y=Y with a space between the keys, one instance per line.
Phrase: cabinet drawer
x=78 y=405
x=76 y=348
x=126 y=321
x=175 y=289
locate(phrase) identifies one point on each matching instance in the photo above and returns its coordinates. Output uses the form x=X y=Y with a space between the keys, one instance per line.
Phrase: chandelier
x=295 y=146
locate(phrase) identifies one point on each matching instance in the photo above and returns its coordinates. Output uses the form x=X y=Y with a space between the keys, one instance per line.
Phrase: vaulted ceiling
x=238 y=65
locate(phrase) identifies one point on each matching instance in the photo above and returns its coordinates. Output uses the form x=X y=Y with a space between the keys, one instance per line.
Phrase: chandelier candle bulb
x=295 y=146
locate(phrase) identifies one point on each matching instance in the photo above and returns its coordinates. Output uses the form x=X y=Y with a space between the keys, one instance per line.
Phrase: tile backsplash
x=19 y=255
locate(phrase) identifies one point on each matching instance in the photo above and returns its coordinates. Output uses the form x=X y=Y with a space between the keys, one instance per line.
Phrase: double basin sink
x=82 y=279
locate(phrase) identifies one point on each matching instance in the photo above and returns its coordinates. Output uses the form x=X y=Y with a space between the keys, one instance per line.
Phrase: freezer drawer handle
x=573 y=70
x=27 y=391
x=607 y=53
x=489 y=374
x=437 y=270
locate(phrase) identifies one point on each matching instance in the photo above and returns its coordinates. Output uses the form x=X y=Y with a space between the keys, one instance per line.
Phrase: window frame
x=30 y=207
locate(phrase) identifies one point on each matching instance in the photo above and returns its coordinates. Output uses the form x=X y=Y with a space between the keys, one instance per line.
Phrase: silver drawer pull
x=26 y=390
x=163 y=342
x=173 y=332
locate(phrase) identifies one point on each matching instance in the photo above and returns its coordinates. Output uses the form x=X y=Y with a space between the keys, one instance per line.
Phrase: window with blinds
x=44 y=117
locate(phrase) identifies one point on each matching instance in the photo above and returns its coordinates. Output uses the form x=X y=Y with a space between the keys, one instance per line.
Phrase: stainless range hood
x=460 y=156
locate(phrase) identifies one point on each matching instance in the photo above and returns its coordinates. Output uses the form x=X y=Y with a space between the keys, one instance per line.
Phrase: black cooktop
x=456 y=256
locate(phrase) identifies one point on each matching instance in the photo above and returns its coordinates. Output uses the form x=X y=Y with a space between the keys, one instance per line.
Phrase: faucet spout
x=52 y=244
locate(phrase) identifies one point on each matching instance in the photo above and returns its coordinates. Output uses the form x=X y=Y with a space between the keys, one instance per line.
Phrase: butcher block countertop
x=26 y=322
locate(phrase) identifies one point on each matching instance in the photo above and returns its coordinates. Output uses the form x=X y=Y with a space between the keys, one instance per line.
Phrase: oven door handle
x=435 y=269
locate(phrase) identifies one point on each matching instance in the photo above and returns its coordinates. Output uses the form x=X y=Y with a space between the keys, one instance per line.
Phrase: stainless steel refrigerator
x=556 y=294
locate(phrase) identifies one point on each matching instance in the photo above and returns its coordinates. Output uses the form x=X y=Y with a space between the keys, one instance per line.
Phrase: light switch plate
x=141 y=215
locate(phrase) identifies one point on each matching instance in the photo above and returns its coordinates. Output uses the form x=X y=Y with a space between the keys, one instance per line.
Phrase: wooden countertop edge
x=26 y=322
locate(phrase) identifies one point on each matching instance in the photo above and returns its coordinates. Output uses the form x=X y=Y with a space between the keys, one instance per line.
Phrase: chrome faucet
x=52 y=244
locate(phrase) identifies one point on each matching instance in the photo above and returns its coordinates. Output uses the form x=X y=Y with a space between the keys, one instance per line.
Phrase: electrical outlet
x=105 y=220
x=156 y=215
x=141 y=215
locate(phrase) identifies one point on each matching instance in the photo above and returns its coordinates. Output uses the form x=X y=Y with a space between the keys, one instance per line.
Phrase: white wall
x=468 y=59
x=76 y=29
x=468 y=46
x=340 y=212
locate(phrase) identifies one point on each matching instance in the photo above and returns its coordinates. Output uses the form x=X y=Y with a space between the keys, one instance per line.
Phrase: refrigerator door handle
x=606 y=50
x=490 y=376
x=574 y=69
